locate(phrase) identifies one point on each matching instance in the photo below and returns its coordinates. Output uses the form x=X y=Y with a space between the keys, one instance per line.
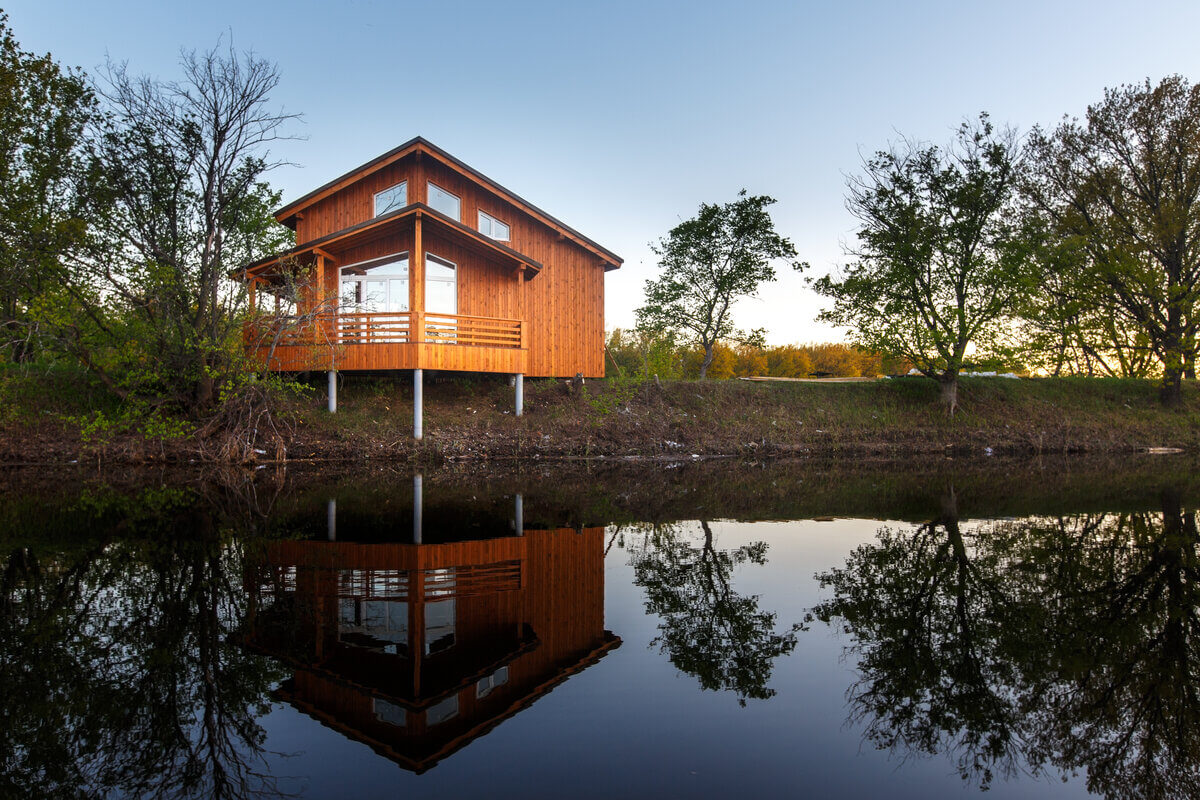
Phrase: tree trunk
x=949 y=384
x=1171 y=393
x=1189 y=366
x=708 y=359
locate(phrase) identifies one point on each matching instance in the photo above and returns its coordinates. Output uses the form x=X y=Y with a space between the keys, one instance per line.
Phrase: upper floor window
x=443 y=201
x=490 y=226
x=391 y=198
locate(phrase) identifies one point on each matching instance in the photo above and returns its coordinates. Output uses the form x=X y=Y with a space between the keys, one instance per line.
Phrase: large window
x=391 y=198
x=490 y=226
x=443 y=201
x=440 y=626
x=441 y=285
x=376 y=286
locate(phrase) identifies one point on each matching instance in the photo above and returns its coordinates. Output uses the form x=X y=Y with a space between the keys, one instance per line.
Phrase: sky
x=621 y=118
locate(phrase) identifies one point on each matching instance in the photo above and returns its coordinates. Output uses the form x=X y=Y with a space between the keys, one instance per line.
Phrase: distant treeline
x=635 y=354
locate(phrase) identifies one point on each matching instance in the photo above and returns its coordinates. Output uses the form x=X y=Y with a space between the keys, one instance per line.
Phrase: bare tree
x=177 y=173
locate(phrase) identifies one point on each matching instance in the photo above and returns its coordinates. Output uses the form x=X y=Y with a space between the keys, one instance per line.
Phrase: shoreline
x=470 y=422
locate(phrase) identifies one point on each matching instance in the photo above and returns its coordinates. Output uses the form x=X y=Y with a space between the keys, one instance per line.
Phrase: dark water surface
x=696 y=630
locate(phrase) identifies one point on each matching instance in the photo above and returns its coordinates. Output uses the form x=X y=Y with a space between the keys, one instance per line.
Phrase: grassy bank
x=57 y=417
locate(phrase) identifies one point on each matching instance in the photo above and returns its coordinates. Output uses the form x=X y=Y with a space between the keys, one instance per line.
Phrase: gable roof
x=287 y=214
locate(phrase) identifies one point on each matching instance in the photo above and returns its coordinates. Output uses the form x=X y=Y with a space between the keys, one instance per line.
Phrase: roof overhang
x=288 y=214
x=330 y=246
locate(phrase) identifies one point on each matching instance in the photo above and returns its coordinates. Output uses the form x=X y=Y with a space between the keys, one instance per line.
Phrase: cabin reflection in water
x=417 y=649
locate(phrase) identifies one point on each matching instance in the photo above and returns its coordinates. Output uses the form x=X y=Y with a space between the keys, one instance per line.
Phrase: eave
x=379 y=225
x=287 y=214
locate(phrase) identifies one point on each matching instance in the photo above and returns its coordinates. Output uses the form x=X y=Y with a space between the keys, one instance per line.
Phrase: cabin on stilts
x=416 y=261
x=418 y=648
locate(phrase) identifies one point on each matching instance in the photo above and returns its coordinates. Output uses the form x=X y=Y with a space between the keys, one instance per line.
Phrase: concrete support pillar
x=331 y=520
x=519 y=515
x=418 y=403
x=418 y=496
x=332 y=391
x=520 y=384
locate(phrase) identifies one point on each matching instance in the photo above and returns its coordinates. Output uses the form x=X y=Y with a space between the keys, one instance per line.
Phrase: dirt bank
x=472 y=420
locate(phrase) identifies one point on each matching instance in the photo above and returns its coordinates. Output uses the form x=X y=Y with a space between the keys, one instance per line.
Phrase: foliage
x=1068 y=641
x=707 y=629
x=177 y=199
x=708 y=262
x=1068 y=327
x=639 y=353
x=940 y=262
x=44 y=111
x=121 y=657
x=1125 y=188
x=643 y=353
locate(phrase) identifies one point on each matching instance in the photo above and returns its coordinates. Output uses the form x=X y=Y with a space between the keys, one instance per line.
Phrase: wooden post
x=418 y=402
x=521 y=321
x=416 y=285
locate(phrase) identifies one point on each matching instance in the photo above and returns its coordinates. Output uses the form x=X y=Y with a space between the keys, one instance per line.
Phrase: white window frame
x=428 y=280
x=366 y=266
x=429 y=199
x=492 y=222
x=375 y=198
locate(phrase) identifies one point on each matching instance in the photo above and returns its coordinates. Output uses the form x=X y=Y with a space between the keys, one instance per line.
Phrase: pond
x=670 y=630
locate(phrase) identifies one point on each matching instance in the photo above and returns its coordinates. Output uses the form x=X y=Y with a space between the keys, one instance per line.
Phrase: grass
x=471 y=418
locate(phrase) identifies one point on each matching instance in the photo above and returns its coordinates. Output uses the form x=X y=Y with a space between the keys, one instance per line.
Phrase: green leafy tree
x=1068 y=642
x=940 y=262
x=1069 y=325
x=708 y=262
x=707 y=629
x=179 y=201
x=1125 y=184
x=44 y=111
x=121 y=657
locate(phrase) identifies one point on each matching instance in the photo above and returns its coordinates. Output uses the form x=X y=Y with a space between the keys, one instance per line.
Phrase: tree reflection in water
x=706 y=628
x=1069 y=643
x=119 y=658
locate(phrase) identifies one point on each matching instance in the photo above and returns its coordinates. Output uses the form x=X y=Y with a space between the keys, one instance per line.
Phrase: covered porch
x=409 y=290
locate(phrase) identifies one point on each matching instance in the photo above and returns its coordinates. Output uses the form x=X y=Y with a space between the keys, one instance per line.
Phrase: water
x=699 y=630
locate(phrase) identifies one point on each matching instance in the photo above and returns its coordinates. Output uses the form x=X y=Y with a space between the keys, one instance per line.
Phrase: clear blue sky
x=621 y=118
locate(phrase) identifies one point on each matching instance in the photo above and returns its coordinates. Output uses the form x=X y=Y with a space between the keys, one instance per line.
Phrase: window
x=443 y=711
x=485 y=686
x=389 y=713
x=441 y=285
x=443 y=201
x=376 y=286
x=490 y=226
x=440 y=624
x=391 y=198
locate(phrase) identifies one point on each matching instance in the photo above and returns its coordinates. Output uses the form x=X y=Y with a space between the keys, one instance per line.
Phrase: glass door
x=378 y=288
x=441 y=297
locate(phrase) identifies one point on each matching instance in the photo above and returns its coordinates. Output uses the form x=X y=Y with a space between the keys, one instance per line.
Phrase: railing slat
x=389 y=327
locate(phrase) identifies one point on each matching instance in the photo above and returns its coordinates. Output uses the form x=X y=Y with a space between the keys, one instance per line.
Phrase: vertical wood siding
x=563 y=307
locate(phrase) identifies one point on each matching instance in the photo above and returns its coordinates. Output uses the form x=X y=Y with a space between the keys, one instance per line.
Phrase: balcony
x=389 y=340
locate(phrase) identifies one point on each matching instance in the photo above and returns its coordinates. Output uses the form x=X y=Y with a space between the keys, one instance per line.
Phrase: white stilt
x=520 y=393
x=519 y=511
x=332 y=391
x=331 y=520
x=417 y=498
x=418 y=402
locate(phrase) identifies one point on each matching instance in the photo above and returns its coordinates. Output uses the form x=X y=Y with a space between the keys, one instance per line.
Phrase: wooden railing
x=390 y=328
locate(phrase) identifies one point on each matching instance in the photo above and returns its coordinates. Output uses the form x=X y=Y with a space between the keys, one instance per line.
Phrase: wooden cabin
x=417 y=261
x=416 y=649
